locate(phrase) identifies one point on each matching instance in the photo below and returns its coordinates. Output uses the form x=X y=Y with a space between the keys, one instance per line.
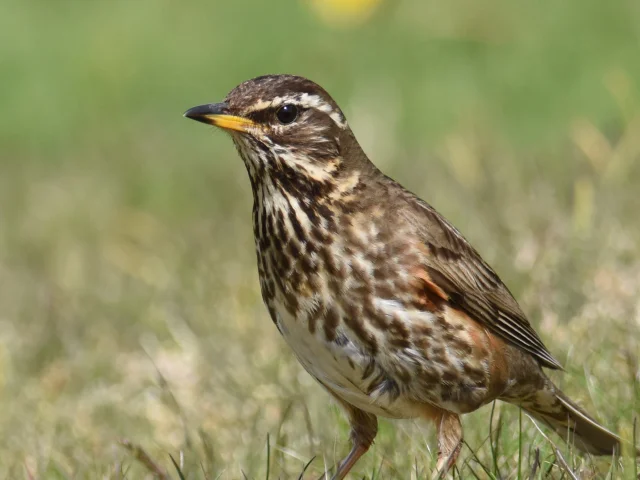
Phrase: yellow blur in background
x=344 y=12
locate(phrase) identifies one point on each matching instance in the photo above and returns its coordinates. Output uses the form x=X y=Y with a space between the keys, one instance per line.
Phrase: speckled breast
x=344 y=293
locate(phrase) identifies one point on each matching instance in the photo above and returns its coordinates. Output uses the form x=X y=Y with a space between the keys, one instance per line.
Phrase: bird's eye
x=287 y=113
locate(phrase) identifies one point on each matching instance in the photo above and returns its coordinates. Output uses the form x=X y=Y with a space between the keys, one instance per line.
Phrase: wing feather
x=471 y=284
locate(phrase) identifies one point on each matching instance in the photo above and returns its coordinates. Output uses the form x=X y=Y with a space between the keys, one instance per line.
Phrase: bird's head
x=285 y=127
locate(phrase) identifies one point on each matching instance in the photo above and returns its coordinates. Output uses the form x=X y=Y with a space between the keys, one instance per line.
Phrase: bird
x=382 y=300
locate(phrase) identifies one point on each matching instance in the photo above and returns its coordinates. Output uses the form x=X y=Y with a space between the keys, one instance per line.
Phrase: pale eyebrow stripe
x=306 y=101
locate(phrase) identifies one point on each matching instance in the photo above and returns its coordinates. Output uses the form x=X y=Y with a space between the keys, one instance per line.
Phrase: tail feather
x=577 y=427
x=571 y=422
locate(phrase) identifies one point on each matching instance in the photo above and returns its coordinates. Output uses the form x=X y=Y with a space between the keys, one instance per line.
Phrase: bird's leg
x=364 y=427
x=449 y=437
x=449 y=443
x=345 y=465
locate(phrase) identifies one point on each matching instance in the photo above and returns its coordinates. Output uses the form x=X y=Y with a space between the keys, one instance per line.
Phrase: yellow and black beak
x=217 y=114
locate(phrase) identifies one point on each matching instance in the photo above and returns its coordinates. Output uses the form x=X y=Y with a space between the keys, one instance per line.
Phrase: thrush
x=381 y=299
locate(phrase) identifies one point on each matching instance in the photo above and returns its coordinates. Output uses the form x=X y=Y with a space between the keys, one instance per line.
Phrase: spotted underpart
x=381 y=299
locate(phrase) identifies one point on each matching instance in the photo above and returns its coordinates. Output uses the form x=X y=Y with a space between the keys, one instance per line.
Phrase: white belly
x=339 y=366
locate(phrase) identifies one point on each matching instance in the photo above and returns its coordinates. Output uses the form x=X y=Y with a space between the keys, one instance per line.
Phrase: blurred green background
x=129 y=302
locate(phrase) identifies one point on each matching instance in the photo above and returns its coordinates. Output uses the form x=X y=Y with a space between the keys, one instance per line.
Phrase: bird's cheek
x=262 y=135
x=275 y=130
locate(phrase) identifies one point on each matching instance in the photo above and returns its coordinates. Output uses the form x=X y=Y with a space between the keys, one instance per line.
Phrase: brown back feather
x=470 y=283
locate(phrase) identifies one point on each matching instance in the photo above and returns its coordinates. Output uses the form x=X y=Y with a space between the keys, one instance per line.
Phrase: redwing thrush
x=381 y=299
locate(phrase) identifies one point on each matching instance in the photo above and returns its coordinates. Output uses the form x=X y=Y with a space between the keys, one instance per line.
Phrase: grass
x=133 y=341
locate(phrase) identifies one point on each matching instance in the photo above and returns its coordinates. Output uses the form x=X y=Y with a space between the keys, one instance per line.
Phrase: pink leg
x=364 y=427
x=449 y=443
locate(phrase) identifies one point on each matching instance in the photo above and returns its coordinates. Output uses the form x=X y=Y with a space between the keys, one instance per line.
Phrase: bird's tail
x=571 y=422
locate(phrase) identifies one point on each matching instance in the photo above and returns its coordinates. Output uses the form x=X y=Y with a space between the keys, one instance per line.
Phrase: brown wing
x=471 y=284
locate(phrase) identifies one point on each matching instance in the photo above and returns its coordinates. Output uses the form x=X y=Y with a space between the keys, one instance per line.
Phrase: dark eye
x=287 y=113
